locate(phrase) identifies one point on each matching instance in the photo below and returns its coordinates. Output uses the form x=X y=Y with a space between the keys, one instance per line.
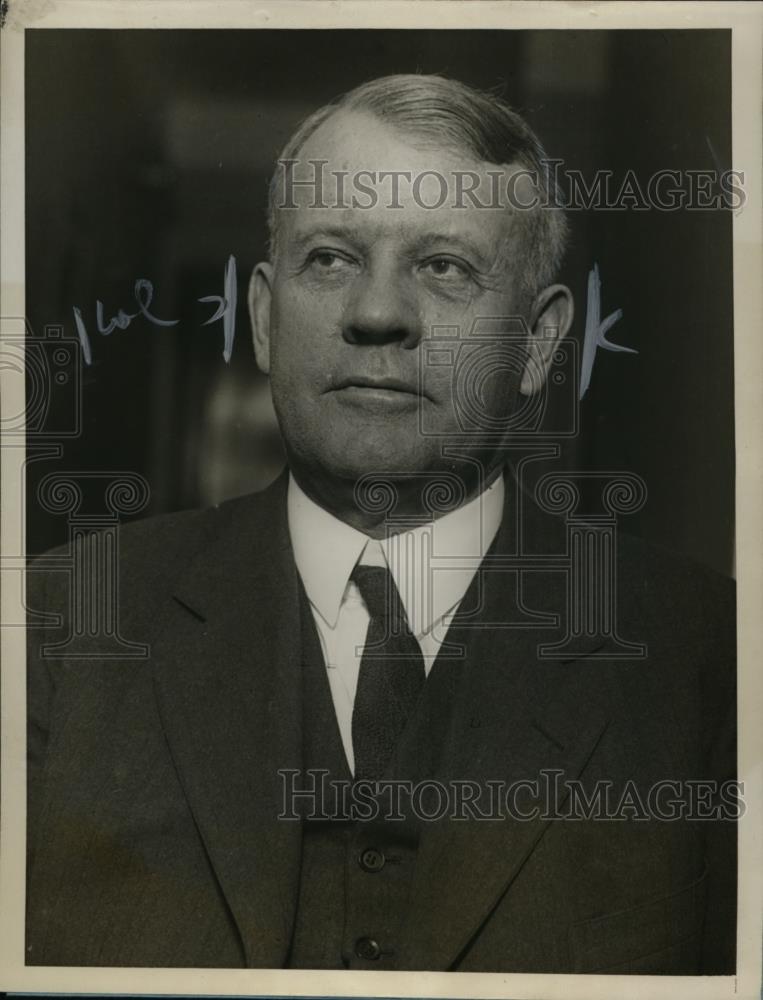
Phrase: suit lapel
x=516 y=715
x=227 y=670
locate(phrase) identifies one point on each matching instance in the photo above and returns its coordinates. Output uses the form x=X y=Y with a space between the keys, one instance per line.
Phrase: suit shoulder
x=163 y=539
x=153 y=552
x=686 y=608
x=673 y=579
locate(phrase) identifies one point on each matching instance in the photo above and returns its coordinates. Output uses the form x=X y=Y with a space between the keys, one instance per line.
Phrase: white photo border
x=745 y=20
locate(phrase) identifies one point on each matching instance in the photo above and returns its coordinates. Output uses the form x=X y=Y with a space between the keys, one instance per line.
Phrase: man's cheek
x=301 y=325
x=299 y=363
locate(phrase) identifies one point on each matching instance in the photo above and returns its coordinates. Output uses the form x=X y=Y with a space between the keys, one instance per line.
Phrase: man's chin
x=378 y=463
x=378 y=478
x=365 y=458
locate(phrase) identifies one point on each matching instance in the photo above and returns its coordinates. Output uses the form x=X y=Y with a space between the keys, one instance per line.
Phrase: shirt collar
x=325 y=551
x=432 y=565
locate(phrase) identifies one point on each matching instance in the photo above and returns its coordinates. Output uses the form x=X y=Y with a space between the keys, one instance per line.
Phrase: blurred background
x=148 y=156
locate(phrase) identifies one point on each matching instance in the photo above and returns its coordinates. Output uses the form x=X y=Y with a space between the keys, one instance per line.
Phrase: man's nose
x=382 y=308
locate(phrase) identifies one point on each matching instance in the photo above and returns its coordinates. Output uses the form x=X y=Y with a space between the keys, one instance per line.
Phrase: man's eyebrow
x=432 y=240
x=420 y=242
x=308 y=233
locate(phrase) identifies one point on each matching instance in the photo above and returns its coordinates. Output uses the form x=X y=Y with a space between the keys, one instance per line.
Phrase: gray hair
x=450 y=113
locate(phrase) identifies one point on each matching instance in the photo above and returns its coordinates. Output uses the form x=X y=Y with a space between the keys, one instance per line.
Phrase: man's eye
x=326 y=260
x=446 y=267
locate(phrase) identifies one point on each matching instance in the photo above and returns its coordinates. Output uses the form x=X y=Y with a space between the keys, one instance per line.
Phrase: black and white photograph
x=381 y=442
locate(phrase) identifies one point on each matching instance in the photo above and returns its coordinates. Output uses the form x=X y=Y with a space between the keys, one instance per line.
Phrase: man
x=385 y=626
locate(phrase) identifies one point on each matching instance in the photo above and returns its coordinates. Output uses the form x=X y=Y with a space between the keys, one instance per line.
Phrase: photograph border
x=745 y=20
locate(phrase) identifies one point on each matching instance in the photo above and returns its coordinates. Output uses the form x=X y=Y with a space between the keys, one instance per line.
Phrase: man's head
x=398 y=213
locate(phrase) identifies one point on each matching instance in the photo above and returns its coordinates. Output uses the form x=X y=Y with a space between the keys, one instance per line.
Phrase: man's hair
x=447 y=113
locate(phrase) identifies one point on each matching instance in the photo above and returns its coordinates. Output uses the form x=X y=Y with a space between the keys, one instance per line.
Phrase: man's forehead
x=351 y=136
x=359 y=141
x=359 y=170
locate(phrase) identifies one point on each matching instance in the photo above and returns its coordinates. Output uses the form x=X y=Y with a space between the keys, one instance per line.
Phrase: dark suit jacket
x=153 y=787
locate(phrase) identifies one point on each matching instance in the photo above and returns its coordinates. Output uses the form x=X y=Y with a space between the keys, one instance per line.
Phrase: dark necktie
x=391 y=674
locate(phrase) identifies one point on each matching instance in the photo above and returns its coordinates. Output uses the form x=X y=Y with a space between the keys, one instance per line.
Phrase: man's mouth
x=382 y=392
x=380 y=384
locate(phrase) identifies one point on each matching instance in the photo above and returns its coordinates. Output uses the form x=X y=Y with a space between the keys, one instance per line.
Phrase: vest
x=357 y=861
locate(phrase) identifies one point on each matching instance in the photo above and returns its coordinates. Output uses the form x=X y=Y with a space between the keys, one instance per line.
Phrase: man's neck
x=387 y=506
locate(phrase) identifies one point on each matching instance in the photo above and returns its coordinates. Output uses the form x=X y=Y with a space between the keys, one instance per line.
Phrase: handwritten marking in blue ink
x=143 y=294
x=226 y=307
x=596 y=329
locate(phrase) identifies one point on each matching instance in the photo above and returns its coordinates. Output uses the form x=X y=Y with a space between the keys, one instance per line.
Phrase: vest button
x=367 y=948
x=371 y=860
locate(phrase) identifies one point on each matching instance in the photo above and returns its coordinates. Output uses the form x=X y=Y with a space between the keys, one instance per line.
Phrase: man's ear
x=550 y=320
x=259 y=300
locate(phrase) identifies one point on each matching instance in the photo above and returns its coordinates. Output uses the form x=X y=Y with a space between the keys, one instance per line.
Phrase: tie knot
x=378 y=590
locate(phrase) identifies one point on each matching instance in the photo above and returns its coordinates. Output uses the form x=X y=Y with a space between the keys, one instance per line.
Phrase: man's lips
x=386 y=383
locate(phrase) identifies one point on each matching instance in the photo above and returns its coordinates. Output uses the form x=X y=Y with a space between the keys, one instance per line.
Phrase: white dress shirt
x=432 y=566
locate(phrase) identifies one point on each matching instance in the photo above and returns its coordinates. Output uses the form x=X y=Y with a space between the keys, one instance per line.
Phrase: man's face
x=347 y=312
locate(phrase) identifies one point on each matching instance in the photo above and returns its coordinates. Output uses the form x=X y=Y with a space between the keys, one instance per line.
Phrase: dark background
x=148 y=154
